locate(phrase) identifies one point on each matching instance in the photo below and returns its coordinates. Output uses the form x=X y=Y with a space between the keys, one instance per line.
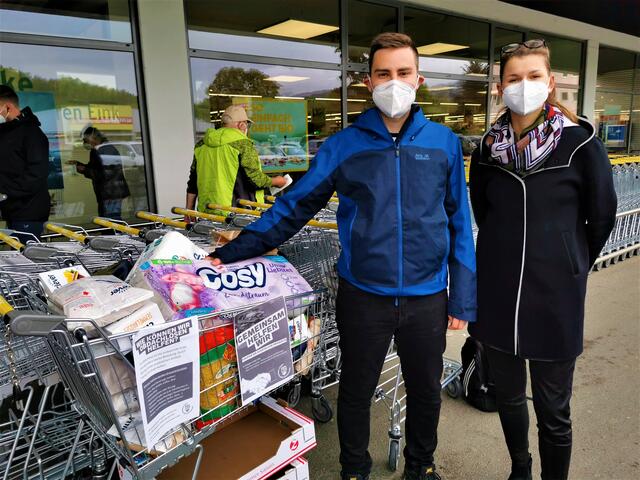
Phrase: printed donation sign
x=263 y=349
x=168 y=376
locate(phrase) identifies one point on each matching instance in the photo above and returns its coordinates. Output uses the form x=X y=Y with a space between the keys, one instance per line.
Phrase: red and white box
x=254 y=444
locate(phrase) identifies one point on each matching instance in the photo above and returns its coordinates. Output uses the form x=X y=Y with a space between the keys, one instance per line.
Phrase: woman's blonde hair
x=523 y=51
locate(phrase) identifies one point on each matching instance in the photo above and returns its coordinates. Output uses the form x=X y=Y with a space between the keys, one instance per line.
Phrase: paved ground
x=605 y=406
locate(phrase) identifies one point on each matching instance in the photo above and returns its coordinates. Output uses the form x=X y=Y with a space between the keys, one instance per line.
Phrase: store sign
x=111 y=117
x=279 y=131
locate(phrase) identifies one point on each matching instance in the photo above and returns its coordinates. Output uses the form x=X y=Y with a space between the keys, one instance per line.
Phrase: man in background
x=24 y=167
x=226 y=166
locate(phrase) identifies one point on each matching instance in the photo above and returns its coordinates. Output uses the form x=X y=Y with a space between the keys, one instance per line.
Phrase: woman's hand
x=456 y=323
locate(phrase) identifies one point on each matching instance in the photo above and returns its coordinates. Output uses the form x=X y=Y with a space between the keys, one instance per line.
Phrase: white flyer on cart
x=263 y=348
x=168 y=376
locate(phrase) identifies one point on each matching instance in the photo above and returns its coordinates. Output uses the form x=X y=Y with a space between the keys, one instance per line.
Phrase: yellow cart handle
x=70 y=234
x=242 y=211
x=249 y=203
x=152 y=217
x=311 y=223
x=103 y=222
x=12 y=242
x=196 y=214
x=5 y=307
x=318 y=224
x=270 y=198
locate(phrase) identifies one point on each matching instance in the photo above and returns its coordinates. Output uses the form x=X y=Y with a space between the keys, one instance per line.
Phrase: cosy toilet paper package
x=172 y=246
x=197 y=287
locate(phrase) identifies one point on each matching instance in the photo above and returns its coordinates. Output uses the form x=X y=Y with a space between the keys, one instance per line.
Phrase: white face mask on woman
x=394 y=98
x=526 y=96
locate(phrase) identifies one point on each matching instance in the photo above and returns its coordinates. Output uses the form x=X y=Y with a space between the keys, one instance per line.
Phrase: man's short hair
x=93 y=132
x=7 y=95
x=391 y=40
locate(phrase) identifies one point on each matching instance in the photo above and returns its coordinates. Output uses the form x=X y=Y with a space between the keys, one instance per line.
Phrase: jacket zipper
x=524 y=248
x=399 y=208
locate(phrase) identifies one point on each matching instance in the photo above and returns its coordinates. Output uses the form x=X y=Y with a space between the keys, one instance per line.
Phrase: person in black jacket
x=106 y=173
x=543 y=197
x=24 y=167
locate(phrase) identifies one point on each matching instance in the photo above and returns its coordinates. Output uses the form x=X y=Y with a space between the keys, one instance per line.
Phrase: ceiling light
x=424 y=103
x=298 y=29
x=327 y=99
x=439 y=89
x=476 y=74
x=448 y=103
x=467 y=104
x=356 y=100
x=358 y=85
x=241 y=95
x=436 y=114
x=482 y=91
x=289 y=98
x=438 y=47
x=286 y=79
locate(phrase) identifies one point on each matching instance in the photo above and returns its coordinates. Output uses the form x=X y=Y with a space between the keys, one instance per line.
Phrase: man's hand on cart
x=214 y=261
x=456 y=323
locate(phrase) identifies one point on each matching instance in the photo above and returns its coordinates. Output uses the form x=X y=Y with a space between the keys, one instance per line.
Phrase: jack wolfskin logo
x=422 y=156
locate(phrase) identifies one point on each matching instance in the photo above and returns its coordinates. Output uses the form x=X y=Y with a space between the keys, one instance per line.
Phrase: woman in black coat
x=544 y=202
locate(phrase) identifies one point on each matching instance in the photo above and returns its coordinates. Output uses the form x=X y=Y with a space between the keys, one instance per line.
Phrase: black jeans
x=551 y=383
x=367 y=323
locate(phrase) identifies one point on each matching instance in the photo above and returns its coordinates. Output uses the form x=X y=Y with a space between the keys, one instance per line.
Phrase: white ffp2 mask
x=394 y=98
x=526 y=96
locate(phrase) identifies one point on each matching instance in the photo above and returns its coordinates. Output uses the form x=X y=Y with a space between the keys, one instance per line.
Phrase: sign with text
x=279 y=131
x=263 y=349
x=167 y=376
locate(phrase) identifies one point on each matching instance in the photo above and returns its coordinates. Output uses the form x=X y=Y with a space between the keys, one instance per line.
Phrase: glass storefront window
x=615 y=69
x=70 y=89
x=636 y=83
x=449 y=44
x=308 y=30
x=95 y=20
x=502 y=37
x=612 y=115
x=634 y=138
x=566 y=58
x=294 y=109
x=366 y=20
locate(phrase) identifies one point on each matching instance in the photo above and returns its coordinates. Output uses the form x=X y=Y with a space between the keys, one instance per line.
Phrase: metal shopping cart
x=84 y=364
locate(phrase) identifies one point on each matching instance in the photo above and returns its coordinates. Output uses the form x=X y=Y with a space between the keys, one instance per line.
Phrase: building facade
x=153 y=75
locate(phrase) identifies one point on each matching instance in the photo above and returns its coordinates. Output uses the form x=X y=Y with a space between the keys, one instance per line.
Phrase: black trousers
x=367 y=323
x=551 y=383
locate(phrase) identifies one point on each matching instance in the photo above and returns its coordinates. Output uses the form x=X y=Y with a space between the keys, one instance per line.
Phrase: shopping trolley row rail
x=624 y=241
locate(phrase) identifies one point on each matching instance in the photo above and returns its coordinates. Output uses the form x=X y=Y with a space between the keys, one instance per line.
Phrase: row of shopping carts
x=53 y=431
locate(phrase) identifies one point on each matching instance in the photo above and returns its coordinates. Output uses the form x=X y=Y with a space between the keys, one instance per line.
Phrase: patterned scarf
x=529 y=153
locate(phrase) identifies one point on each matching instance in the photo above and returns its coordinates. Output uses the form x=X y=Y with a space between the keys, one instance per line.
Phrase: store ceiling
x=619 y=15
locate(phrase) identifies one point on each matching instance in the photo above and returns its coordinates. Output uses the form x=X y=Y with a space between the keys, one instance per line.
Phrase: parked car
x=130 y=153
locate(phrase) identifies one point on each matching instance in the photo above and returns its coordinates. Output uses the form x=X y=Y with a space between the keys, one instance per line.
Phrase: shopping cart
x=85 y=364
x=41 y=435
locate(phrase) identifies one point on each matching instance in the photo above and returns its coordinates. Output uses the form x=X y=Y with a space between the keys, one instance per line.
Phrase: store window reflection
x=306 y=30
x=70 y=90
x=502 y=37
x=95 y=20
x=566 y=58
x=612 y=116
x=294 y=109
x=449 y=44
x=366 y=20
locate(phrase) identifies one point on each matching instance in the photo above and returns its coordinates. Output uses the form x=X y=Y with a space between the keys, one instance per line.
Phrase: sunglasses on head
x=532 y=44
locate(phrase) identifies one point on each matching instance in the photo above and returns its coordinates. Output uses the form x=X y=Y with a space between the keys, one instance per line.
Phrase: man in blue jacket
x=405 y=233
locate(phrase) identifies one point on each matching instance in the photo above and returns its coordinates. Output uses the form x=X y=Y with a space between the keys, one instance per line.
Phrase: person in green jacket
x=226 y=167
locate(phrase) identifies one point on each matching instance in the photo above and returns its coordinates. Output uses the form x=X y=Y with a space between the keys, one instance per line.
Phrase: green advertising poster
x=279 y=131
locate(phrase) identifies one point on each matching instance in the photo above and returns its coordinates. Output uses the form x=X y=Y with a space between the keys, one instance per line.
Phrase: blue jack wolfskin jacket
x=403 y=217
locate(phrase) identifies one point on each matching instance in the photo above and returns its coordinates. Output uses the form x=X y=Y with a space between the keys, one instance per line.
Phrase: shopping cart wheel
x=321 y=409
x=454 y=388
x=394 y=454
x=293 y=396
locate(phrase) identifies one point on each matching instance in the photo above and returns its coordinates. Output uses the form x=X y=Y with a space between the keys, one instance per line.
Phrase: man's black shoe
x=521 y=472
x=424 y=473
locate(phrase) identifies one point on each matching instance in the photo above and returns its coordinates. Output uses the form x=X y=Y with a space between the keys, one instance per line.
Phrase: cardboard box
x=297 y=470
x=254 y=445
x=54 y=279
